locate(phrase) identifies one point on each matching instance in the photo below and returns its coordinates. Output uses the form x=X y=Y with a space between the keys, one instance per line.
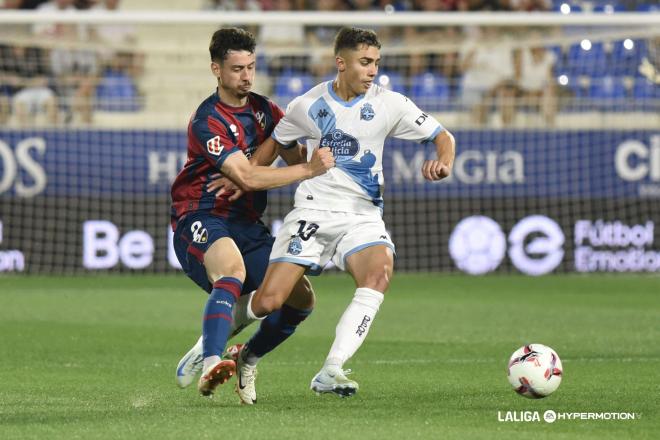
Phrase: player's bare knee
x=302 y=296
x=270 y=304
x=234 y=271
x=378 y=278
x=268 y=299
x=238 y=273
x=301 y=299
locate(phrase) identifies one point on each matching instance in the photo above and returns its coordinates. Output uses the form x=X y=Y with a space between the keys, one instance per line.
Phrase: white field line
x=470 y=361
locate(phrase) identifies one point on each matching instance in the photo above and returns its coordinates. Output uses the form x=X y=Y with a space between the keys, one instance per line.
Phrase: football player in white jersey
x=338 y=215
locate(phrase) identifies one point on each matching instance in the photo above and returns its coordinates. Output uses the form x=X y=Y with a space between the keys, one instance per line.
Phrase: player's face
x=236 y=73
x=359 y=67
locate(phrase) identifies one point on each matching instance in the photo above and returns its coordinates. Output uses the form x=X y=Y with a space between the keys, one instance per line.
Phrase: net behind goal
x=556 y=121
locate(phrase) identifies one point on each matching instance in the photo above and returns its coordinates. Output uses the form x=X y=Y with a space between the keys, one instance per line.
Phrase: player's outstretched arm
x=268 y=151
x=440 y=168
x=265 y=155
x=295 y=155
x=256 y=178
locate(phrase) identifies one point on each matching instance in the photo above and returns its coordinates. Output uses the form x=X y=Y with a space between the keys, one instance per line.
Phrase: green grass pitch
x=94 y=357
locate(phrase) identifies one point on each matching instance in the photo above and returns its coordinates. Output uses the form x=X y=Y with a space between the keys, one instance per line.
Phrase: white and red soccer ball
x=535 y=371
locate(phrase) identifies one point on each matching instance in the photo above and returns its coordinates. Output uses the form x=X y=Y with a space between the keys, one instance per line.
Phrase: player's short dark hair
x=226 y=39
x=352 y=38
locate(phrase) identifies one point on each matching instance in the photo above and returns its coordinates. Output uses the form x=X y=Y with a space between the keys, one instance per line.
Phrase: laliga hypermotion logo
x=478 y=245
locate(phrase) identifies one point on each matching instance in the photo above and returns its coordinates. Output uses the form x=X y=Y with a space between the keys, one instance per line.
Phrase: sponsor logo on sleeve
x=214 y=146
x=421 y=118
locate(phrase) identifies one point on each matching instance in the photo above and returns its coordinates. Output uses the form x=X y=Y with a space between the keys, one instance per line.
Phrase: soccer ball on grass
x=535 y=371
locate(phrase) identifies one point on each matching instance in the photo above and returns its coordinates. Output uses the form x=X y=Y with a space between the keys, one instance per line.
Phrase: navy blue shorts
x=196 y=232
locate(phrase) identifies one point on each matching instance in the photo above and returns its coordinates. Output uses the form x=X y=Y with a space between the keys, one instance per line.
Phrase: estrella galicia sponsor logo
x=344 y=146
x=295 y=246
x=363 y=326
x=200 y=235
x=367 y=112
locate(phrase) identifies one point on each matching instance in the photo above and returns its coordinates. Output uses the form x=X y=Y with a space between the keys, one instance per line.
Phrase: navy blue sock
x=275 y=329
x=218 y=315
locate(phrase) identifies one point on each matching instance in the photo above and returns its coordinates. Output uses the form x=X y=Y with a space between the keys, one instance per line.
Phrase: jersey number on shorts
x=200 y=235
x=306 y=233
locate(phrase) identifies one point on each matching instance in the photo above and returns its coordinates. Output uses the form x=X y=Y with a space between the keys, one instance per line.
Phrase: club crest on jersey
x=214 y=146
x=344 y=146
x=295 y=246
x=261 y=119
x=367 y=112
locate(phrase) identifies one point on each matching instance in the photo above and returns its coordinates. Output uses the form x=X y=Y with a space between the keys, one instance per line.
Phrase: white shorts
x=311 y=237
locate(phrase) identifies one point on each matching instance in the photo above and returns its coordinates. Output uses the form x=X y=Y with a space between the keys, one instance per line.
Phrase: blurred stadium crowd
x=73 y=72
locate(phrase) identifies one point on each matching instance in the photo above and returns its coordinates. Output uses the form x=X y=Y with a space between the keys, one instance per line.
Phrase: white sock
x=248 y=311
x=354 y=326
x=210 y=361
x=240 y=314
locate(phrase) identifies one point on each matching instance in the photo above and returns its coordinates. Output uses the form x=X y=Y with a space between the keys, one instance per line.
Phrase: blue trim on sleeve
x=223 y=157
x=435 y=133
x=312 y=268
x=285 y=146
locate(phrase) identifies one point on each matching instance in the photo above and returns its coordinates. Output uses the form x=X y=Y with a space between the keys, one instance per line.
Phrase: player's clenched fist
x=322 y=160
x=435 y=170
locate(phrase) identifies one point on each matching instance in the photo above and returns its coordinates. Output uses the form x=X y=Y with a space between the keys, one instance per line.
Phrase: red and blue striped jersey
x=215 y=131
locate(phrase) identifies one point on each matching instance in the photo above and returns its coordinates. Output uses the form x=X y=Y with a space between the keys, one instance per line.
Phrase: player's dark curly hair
x=224 y=40
x=352 y=38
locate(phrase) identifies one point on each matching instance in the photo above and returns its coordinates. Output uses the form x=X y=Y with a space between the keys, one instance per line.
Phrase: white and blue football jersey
x=355 y=131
